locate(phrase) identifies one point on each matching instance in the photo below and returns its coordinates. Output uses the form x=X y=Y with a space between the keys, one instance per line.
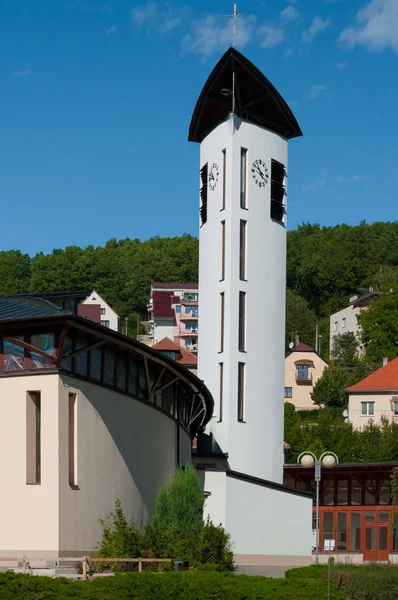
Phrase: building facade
x=345 y=320
x=177 y=353
x=303 y=368
x=355 y=510
x=79 y=403
x=108 y=317
x=173 y=314
x=375 y=397
x=243 y=125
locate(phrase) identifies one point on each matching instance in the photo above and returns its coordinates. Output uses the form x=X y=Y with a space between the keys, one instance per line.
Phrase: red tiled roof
x=162 y=305
x=166 y=344
x=175 y=286
x=385 y=378
x=303 y=348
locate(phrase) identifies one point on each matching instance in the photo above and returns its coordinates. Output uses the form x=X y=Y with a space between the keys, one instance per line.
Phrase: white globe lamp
x=329 y=461
x=307 y=461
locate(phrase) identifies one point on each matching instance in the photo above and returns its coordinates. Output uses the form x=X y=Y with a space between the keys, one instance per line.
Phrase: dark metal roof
x=74 y=295
x=256 y=100
x=16 y=308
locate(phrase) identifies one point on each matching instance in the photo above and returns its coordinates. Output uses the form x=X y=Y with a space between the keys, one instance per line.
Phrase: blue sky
x=96 y=100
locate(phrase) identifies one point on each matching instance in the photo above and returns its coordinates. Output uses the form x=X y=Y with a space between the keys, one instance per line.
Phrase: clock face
x=213 y=176
x=260 y=172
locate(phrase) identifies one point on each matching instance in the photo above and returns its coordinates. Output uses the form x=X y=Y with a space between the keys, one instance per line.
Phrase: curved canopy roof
x=256 y=100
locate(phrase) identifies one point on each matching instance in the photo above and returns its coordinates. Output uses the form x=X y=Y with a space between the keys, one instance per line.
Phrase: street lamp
x=328 y=460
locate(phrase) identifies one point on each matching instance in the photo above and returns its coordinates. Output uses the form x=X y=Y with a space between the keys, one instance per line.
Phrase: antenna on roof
x=235 y=15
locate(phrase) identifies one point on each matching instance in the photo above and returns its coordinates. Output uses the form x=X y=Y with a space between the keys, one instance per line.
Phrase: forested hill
x=324 y=266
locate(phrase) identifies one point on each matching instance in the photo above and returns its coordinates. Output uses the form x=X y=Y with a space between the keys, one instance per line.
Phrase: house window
x=221 y=390
x=367 y=409
x=72 y=439
x=178 y=309
x=242 y=251
x=222 y=308
x=188 y=309
x=343 y=322
x=395 y=407
x=103 y=311
x=222 y=250
x=336 y=325
x=33 y=438
x=243 y=178
x=203 y=194
x=169 y=353
x=105 y=323
x=241 y=390
x=288 y=392
x=224 y=177
x=242 y=322
x=302 y=372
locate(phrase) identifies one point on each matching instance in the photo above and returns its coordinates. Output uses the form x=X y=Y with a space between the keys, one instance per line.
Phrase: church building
x=243 y=126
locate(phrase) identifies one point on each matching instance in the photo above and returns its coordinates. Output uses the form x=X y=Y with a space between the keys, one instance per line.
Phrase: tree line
x=325 y=265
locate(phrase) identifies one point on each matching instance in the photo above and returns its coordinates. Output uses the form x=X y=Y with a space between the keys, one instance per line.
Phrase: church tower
x=243 y=126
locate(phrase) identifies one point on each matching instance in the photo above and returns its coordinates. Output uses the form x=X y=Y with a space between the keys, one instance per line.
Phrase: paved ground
x=264 y=571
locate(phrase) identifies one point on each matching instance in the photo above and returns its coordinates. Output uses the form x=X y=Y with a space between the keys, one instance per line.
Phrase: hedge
x=373 y=582
x=168 y=586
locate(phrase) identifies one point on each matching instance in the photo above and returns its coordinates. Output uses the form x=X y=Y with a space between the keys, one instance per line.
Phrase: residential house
x=303 y=368
x=173 y=313
x=374 y=397
x=178 y=353
x=108 y=317
x=345 y=320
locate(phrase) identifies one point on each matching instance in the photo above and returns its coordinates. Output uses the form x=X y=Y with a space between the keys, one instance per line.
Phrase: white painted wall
x=163 y=328
x=28 y=513
x=250 y=444
x=109 y=314
x=349 y=313
x=382 y=408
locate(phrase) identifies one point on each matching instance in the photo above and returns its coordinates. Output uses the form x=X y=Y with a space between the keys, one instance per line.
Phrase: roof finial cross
x=235 y=16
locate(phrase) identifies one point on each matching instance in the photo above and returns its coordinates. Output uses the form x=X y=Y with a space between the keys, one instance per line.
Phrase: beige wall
x=125 y=450
x=301 y=393
x=28 y=513
x=382 y=408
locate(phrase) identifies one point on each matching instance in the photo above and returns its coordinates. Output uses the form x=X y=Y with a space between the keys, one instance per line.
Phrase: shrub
x=371 y=582
x=215 y=547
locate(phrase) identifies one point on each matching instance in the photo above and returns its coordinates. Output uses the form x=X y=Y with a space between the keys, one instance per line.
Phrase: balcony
x=188 y=317
x=304 y=378
x=191 y=347
x=188 y=332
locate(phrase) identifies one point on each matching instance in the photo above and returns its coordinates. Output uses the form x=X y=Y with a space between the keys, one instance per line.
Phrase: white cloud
x=341 y=66
x=314 y=186
x=376 y=27
x=317 y=25
x=315 y=91
x=157 y=17
x=290 y=13
x=143 y=14
x=288 y=53
x=170 y=24
x=22 y=72
x=111 y=30
x=208 y=36
x=352 y=179
x=271 y=36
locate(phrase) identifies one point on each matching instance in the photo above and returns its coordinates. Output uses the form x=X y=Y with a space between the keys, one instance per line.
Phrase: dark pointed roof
x=256 y=100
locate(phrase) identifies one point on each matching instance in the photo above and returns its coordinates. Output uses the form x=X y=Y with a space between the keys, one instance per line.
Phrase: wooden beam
x=166 y=385
x=31 y=348
x=157 y=381
x=61 y=344
x=85 y=349
x=148 y=381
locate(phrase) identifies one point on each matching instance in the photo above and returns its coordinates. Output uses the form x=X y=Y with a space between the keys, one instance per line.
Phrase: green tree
x=379 y=328
x=345 y=349
x=14 y=272
x=329 y=390
x=300 y=319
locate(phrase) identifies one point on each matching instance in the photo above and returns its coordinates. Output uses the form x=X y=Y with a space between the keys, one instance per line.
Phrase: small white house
x=109 y=318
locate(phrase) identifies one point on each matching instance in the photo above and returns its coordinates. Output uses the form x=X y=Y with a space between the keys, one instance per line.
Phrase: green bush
x=167 y=586
x=215 y=547
x=371 y=582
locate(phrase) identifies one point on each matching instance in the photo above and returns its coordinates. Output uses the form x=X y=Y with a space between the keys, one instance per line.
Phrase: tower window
x=222 y=250
x=241 y=391
x=278 y=173
x=242 y=251
x=242 y=322
x=72 y=439
x=203 y=194
x=221 y=390
x=224 y=177
x=243 y=178
x=222 y=309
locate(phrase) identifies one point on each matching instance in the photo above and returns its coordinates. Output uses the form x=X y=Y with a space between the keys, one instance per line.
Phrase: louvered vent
x=203 y=194
x=277 y=190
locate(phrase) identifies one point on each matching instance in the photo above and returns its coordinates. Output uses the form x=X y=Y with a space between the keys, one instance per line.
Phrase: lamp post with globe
x=308 y=460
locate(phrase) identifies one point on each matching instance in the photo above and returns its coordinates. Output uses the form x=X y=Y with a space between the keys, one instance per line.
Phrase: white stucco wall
x=109 y=314
x=28 y=513
x=382 y=408
x=351 y=324
x=163 y=328
x=251 y=443
x=267 y=526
